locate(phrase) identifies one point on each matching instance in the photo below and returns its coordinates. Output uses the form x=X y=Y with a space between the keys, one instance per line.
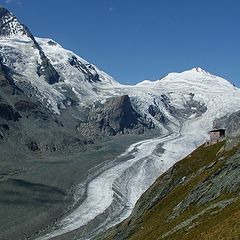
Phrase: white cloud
x=13 y=1
x=110 y=9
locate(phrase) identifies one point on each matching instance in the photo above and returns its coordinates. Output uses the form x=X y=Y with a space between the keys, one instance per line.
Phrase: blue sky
x=133 y=40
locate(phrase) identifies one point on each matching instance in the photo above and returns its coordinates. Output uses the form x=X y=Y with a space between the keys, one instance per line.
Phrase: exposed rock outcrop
x=230 y=123
x=115 y=116
x=118 y=115
x=90 y=73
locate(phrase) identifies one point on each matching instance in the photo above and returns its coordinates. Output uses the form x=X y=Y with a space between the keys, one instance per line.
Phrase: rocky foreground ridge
x=198 y=198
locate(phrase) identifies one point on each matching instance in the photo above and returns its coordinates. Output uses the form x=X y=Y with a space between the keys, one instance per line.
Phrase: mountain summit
x=9 y=24
x=200 y=70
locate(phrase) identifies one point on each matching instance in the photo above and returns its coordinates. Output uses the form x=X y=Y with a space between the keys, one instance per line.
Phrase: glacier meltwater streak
x=100 y=190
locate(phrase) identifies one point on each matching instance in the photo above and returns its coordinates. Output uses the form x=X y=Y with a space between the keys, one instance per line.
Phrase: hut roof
x=217 y=130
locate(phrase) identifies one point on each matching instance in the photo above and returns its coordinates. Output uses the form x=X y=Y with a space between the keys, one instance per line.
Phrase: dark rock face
x=24 y=106
x=157 y=114
x=116 y=116
x=45 y=68
x=88 y=70
x=194 y=107
x=119 y=116
x=33 y=146
x=191 y=107
x=7 y=113
x=52 y=43
x=4 y=127
x=230 y=123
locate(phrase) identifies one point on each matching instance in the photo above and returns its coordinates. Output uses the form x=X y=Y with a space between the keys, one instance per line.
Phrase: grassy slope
x=154 y=222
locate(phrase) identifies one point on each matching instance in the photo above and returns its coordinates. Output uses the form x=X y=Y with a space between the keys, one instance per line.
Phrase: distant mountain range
x=50 y=83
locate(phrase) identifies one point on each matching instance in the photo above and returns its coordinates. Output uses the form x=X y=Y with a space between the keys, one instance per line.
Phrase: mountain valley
x=78 y=149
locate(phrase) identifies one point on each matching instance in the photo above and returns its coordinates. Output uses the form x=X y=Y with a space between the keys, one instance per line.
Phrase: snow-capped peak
x=196 y=71
x=199 y=70
x=9 y=24
x=196 y=79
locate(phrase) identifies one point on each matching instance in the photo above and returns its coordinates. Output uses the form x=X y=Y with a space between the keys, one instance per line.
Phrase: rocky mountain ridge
x=68 y=87
x=17 y=67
